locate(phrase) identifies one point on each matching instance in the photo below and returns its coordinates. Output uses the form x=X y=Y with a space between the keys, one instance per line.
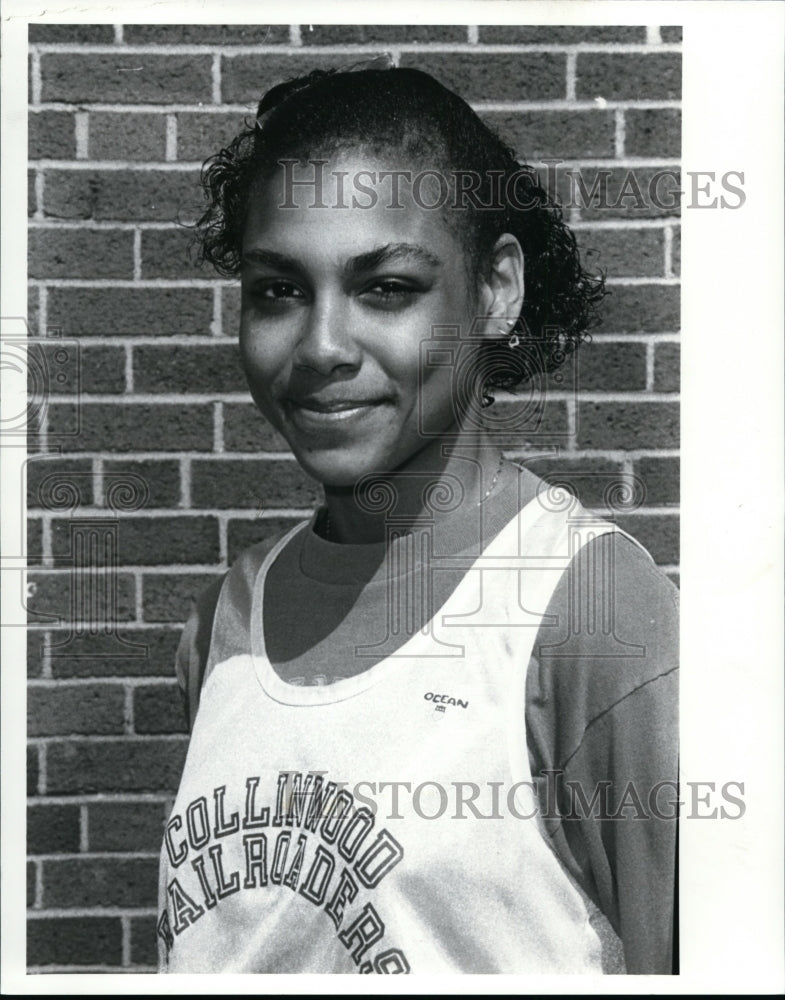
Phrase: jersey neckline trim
x=294 y=694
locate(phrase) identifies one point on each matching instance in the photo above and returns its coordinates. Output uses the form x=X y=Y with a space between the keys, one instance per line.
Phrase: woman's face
x=336 y=303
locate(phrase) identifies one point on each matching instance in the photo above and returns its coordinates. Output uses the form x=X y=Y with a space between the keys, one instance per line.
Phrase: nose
x=326 y=341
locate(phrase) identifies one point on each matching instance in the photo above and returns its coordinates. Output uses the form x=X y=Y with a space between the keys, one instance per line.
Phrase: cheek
x=260 y=356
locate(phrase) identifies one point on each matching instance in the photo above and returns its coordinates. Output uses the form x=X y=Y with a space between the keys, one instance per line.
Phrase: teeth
x=336 y=408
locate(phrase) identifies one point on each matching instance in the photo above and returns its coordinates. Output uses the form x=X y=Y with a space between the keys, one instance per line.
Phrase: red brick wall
x=152 y=464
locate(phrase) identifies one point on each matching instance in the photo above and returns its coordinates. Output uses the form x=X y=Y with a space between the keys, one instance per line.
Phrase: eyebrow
x=390 y=253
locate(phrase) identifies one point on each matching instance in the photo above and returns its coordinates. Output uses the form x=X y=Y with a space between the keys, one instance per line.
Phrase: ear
x=501 y=289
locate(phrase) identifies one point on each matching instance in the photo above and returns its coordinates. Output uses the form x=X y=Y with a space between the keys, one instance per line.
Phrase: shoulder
x=611 y=641
x=224 y=603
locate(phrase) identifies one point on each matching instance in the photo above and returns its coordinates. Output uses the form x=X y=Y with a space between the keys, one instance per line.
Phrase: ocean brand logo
x=441 y=701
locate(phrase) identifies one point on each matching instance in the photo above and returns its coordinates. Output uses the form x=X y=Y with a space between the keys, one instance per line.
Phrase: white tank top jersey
x=286 y=850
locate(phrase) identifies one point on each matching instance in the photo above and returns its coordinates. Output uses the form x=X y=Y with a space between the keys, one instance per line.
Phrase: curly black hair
x=407 y=110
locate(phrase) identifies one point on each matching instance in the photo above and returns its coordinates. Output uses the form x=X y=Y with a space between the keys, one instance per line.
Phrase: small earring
x=502 y=331
x=514 y=340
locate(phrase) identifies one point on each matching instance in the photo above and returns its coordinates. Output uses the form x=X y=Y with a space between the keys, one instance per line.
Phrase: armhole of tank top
x=611 y=948
x=517 y=721
x=254 y=577
x=254 y=581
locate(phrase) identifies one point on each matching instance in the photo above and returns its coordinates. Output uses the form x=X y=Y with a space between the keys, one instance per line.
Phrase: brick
x=660 y=478
x=31 y=882
x=36 y=417
x=230 y=310
x=676 y=250
x=658 y=533
x=84 y=709
x=608 y=367
x=74 y=941
x=143 y=652
x=135 y=426
x=36 y=643
x=51 y=135
x=171 y=253
x=647 y=308
x=206 y=34
x=155 y=541
x=589 y=479
x=628 y=425
x=620 y=76
x=47 y=476
x=623 y=252
x=52 y=829
x=154 y=483
x=32 y=198
x=653 y=132
x=561 y=134
x=126 y=136
x=120 y=765
x=92 y=33
x=245 y=429
x=52 y=597
x=671 y=33
x=625 y=193
x=144 y=941
x=667 y=367
x=359 y=34
x=32 y=310
x=242 y=532
x=533 y=425
x=83 y=312
x=202 y=133
x=547 y=34
x=79 y=882
x=593 y=481
x=169 y=597
x=519 y=76
x=125 y=826
x=184 y=368
x=53 y=365
x=244 y=78
x=223 y=483
x=99 y=369
x=34 y=547
x=32 y=770
x=158 y=708
x=123 y=78
x=122 y=195
x=80 y=253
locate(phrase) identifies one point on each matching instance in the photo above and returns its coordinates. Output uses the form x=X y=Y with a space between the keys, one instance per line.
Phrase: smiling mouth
x=317 y=411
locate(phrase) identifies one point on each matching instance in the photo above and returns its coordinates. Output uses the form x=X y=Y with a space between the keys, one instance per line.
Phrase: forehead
x=351 y=202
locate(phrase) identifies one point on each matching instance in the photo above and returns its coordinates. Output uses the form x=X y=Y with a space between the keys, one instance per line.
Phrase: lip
x=333 y=405
x=318 y=412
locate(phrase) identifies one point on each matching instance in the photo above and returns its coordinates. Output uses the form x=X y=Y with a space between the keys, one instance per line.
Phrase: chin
x=334 y=470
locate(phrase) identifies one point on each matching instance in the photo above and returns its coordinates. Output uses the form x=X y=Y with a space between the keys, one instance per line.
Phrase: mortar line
x=572 y=59
x=81 y=134
x=171 y=137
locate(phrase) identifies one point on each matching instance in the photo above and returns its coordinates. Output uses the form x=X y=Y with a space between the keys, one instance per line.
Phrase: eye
x=390 y=292
x=278 y=290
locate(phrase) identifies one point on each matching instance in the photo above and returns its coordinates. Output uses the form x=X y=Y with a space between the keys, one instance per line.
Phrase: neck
x=433 y=484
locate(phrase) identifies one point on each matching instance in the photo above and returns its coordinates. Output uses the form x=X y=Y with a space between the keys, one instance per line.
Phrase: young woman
x=436 y=722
